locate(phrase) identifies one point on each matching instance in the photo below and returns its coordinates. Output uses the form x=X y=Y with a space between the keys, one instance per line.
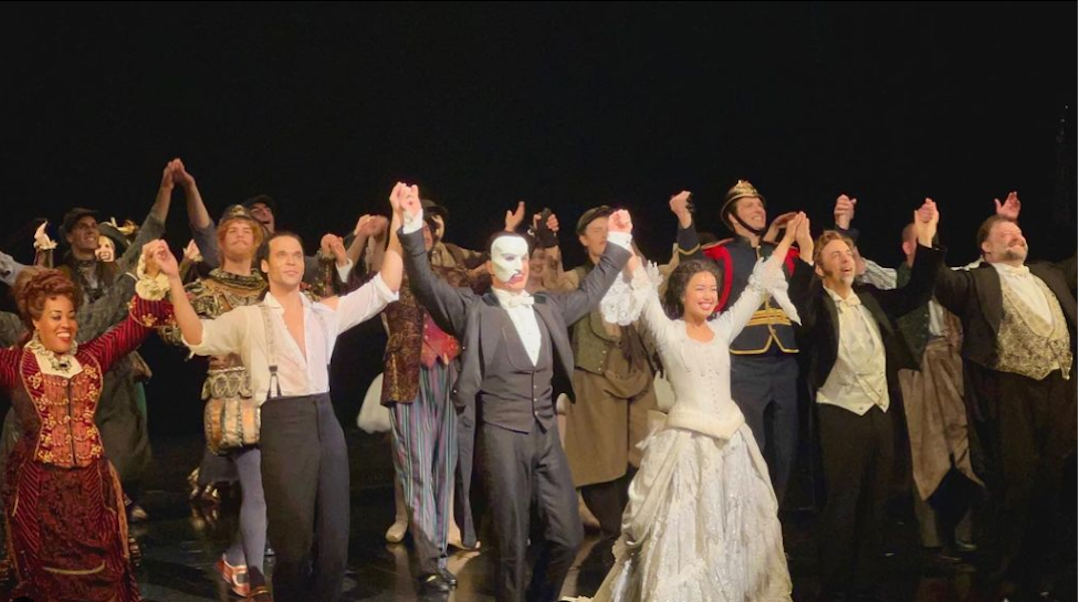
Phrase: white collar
x=1008 y=270
x=852 y=298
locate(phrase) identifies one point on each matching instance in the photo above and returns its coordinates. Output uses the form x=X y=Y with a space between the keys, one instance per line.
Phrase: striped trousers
x=425 y=454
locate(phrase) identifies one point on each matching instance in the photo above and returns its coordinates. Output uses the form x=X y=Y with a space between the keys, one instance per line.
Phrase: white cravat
x=1022 y=283
x=519 y=306
x=857 y=381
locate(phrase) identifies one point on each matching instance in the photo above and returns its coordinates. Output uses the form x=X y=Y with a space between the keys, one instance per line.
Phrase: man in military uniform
x=763 y=365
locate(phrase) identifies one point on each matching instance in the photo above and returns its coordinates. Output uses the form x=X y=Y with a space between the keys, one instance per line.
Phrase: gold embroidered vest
x=1027 y=344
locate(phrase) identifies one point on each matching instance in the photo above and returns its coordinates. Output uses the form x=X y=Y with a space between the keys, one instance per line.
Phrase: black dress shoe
x=448 y=576
x=435 y=583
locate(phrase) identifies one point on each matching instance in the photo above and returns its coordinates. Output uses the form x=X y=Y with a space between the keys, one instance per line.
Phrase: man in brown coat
x=613 y=392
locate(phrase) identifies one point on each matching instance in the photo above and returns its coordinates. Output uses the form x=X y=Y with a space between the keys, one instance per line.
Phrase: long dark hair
x=680 y=278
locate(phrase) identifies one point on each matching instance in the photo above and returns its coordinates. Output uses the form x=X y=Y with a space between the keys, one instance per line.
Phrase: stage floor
x=181 y=543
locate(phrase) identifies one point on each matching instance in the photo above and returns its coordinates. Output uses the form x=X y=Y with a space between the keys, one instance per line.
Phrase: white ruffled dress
x=701 y=524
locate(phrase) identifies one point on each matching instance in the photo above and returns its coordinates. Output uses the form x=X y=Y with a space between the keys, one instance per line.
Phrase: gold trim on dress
x=74 y=573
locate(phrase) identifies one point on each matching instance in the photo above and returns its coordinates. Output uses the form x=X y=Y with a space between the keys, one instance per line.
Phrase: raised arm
x=555 y=278
x=370 y=299
x=332 y=248
x=220 y=336
x=171 y=333
x=873 y=273
x=153 y=227
x=655 y=320
x=9 y=269
x=686 y=236
x=804 y=287
x=575 y=304
x=448 y=305
x=203 y=230
x=368 y=227
x=97 y=317
x=147 y=310
x=924 y=271
x=766 y=279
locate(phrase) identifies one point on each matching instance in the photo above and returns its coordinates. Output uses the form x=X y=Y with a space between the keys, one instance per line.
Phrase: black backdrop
x=324 y=106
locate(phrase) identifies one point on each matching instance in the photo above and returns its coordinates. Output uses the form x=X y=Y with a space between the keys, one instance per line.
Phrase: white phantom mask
x=508 y=256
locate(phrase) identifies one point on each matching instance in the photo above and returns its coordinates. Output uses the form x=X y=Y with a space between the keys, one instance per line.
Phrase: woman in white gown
x=702 y=521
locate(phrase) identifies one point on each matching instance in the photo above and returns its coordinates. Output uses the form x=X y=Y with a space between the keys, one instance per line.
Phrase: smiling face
x=701 y=296
x=1005 y=243
x=57 y=326
x=752 y=211
x=84 y=235
x=537 y=261
x=106 y=251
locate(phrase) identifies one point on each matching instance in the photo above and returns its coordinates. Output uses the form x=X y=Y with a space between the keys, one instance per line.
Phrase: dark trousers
x=305 y=470
x=1026 y=431
x=607 y=501
x=765 y=389
x=466 y=444
x=520 y=469
x=857 y=457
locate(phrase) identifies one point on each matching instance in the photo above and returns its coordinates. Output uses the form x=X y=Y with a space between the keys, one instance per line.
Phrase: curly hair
x=34 y=286
x=680 y=279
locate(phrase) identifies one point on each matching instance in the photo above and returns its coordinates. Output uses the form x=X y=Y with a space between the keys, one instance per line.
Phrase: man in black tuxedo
x=1019 y=354
x=512 y=343
x=856 y=350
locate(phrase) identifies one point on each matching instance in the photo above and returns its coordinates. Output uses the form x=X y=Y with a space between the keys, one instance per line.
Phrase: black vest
x=514 y=392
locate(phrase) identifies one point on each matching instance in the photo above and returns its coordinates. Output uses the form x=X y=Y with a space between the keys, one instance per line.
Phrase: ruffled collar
x=65 y=365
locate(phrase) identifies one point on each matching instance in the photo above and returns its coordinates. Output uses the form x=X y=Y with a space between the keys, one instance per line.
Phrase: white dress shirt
x=857 y=381
x=242 y=331
x=1022 y=283
x=520 y=308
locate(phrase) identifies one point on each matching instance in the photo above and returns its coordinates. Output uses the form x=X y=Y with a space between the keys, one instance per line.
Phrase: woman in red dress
x=67 y=530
